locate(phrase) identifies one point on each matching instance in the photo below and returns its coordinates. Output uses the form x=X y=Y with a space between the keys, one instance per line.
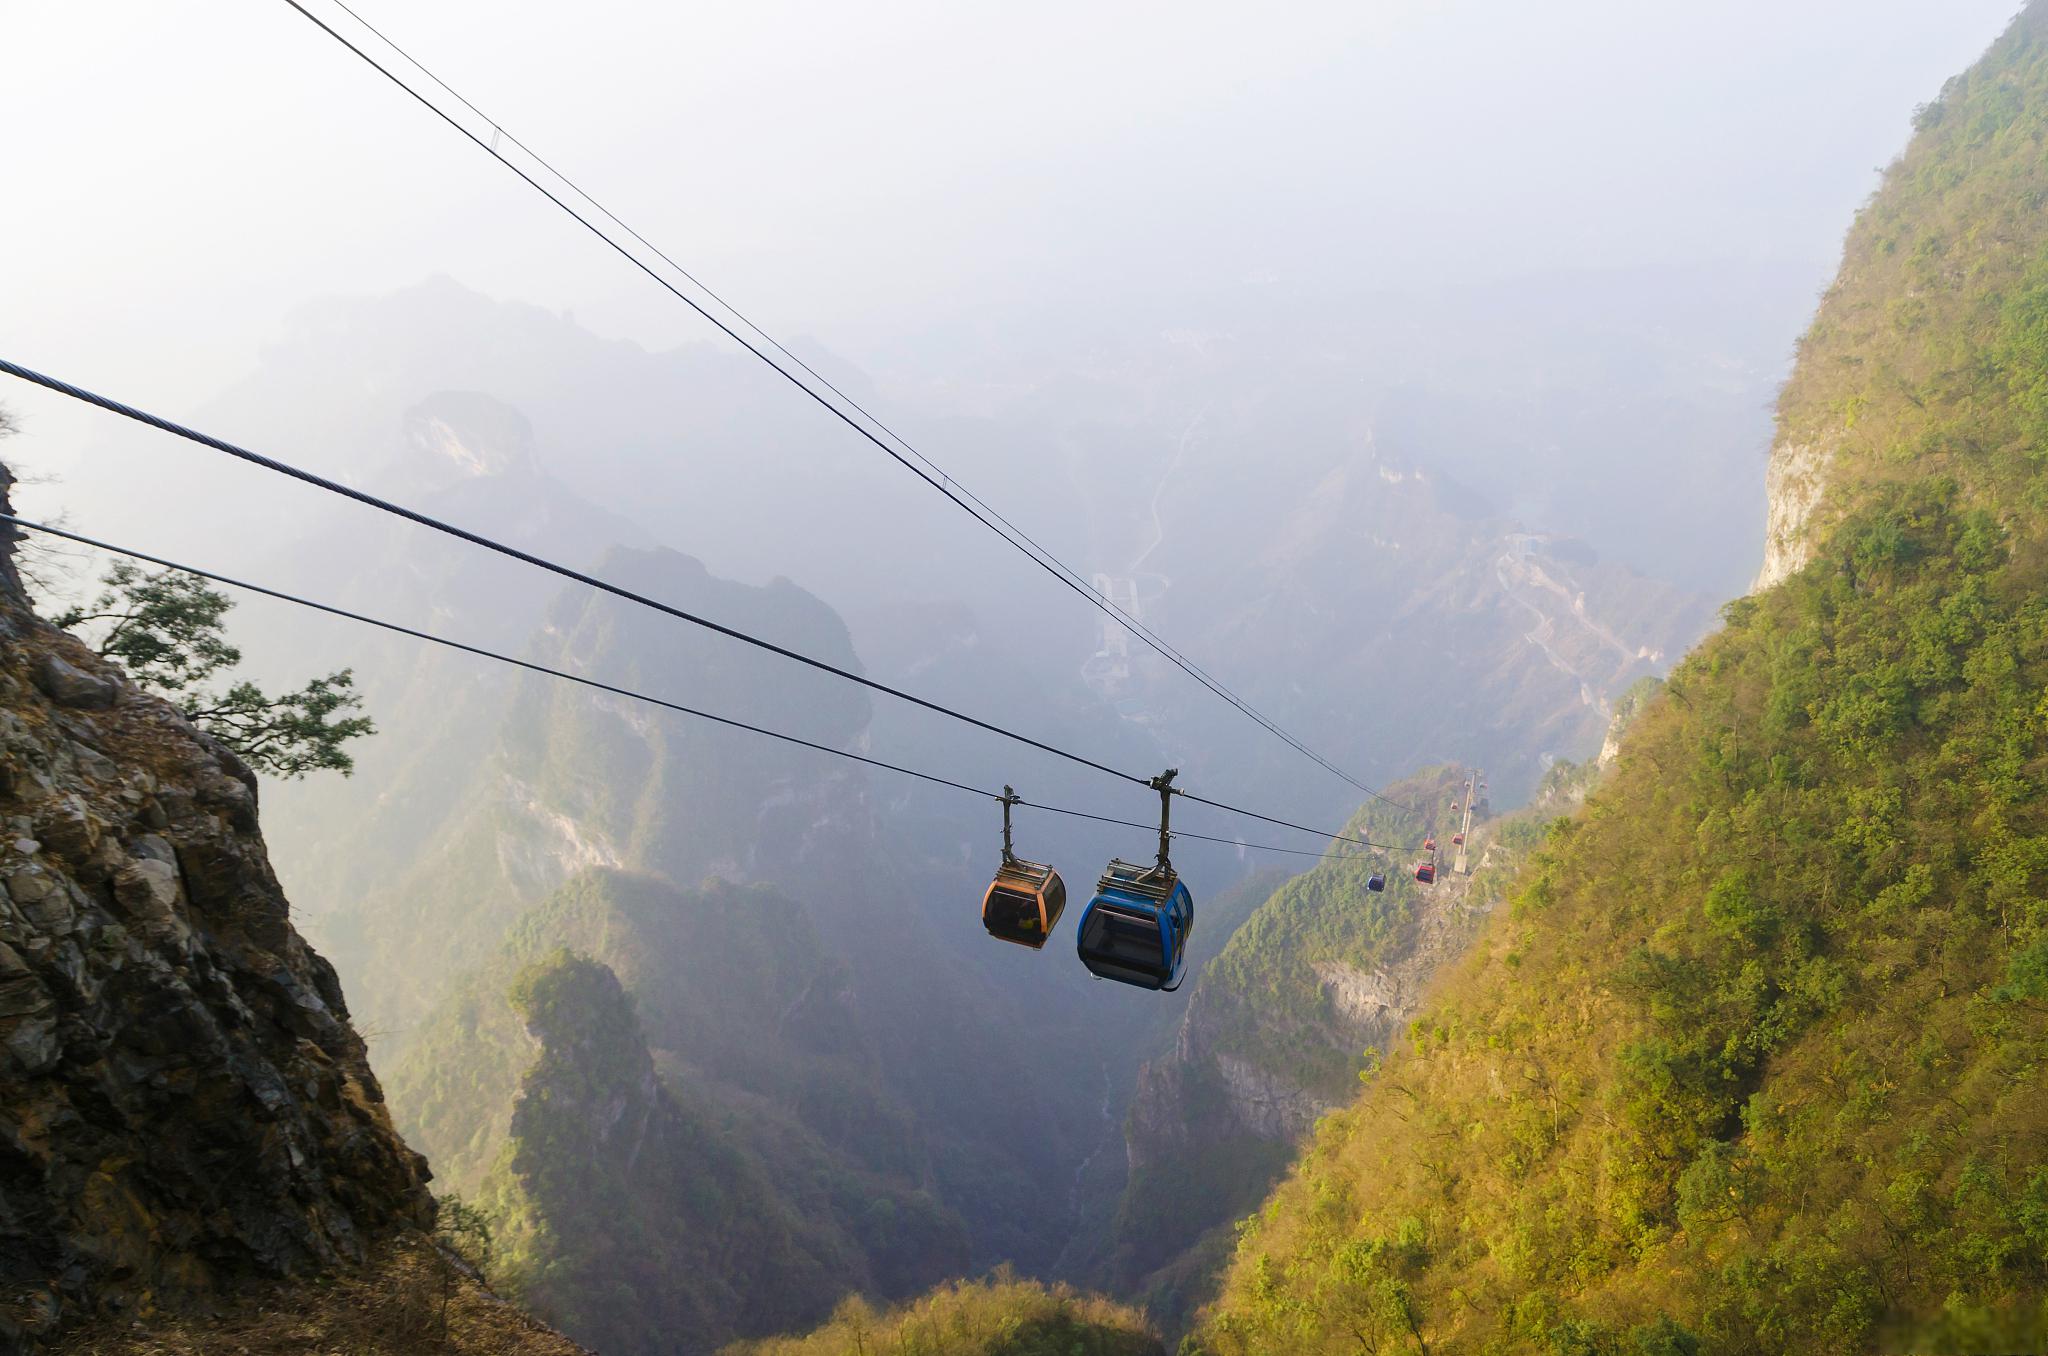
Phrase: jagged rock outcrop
x=1793 y=484
x=183 y=1103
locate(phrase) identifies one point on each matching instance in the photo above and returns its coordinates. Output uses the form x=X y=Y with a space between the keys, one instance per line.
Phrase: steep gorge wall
x=1752 y=1063
x=1924 y=357
x=184 y=1105
x=1275 y=1037
x=1793 y=485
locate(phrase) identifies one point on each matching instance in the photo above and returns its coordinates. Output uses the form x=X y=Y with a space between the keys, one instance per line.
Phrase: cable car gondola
x=1429 y=845
x=1457 y=840
x=1426 y=873
x=1376 y=882
x=1025 y=900
x=1135 y=930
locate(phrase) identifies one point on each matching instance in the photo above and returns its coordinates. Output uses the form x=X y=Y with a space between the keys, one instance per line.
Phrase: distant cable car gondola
x=1457 y=840
x=1135 y=930
x=1376 y=882
x=1429 y=845
x=1025 y=900
x=1426 y=873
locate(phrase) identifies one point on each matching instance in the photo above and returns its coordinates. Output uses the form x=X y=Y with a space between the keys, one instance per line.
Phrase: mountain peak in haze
x=467 y=434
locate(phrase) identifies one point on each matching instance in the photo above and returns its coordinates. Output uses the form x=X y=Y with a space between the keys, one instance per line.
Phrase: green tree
x=167 y=628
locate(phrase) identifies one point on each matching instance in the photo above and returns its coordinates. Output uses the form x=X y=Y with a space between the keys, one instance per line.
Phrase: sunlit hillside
x=1750 y=1062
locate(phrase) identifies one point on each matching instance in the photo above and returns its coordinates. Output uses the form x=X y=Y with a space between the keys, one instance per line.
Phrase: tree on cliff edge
x=167 y=629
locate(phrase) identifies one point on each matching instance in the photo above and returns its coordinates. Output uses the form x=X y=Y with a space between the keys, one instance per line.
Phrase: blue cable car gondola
x=1376 y=882
x=1135 y=930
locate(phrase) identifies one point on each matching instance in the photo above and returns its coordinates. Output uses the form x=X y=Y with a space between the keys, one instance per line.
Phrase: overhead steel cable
x=1254 y=814
x=541 y=562
x=939 y=478
x=1208 y=837
x=463 y=534
x=929 y=471
x=532 y=666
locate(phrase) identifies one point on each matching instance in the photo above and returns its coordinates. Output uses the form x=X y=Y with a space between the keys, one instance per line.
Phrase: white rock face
x=1610 y=747
x=1374 y=1002
x=468 y=435
x=1268 y=1105
x=1793 y=486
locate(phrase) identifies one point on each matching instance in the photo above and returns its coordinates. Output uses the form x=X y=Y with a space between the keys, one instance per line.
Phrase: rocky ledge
x=184 y=1106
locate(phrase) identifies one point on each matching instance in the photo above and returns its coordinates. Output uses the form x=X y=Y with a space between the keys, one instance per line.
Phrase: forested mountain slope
x=565 y=780
x=1752 y=1063
x=675 y=1120
x=998 y=1317
x=1297 y=1011
x=633 y=1211
x=1275 y=1034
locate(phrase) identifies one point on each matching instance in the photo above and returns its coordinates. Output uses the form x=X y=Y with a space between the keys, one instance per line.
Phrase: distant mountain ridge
x=493 y=792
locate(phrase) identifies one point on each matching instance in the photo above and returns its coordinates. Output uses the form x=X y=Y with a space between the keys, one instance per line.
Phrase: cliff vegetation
x=998 y=1317
x=1751 y=1064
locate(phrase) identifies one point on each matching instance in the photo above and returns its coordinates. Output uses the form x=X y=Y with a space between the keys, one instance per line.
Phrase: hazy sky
x=181 y=174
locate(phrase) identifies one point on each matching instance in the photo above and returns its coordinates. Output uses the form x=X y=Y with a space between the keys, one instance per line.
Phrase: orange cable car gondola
x=1025 y=900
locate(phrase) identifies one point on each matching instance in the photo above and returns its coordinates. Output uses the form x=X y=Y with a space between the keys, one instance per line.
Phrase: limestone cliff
x=184 y=1106
x=1793 y=484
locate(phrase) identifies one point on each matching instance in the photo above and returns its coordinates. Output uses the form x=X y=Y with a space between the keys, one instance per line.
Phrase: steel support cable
x=934 y=476
x=113 y=406
x=540 y=562
x=463 y=534
x=947 y=484
x=533 y=666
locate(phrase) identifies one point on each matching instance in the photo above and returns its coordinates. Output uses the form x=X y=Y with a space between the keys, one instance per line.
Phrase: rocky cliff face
x=184 y=1105
x=1359 y=1003
x=1793 y=485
